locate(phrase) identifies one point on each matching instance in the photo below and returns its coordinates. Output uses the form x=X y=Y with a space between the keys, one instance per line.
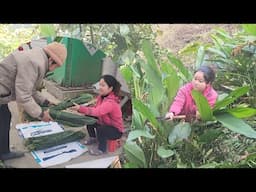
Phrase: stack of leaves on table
x=43 y=142
x=66 y=118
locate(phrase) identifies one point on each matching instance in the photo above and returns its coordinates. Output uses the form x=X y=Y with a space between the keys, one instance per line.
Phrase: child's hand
x=76 y=107
x=169 y=116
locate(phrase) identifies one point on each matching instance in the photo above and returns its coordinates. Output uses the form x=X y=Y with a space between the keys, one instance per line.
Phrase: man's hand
x=46 y=116
x=49 y=103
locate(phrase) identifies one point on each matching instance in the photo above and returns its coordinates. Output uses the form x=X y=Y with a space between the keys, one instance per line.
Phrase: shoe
x=11 y=155
x=95 y=152
x=90 y=141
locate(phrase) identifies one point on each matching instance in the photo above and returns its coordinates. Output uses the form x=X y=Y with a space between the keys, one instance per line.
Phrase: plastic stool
x=113 y=145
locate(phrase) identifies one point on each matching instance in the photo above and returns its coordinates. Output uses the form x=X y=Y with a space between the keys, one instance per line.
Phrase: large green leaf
x=220 y=49
x=136 y=120
x=180 y=131
x=47 y=30
x=171 y=80
x=200 y=56
x=136 y=72
x=231 y=97
x=202 y=106
x=222 y=96
x=135 y=154
x=164 y=153
x=138 y=133
x=155 y=98
x=239 y=92
x=242 y=112
x=190 y=48
x=222 y=60
x=216 y=51
x=129 y=165
x=236 y=125
x=182 y=69
x=219 y=42
x=155 y=80
x=145 y=111
x=152 y=72
x=148 y=52
x=224 y=35
x=126 y=72
x=250 y=28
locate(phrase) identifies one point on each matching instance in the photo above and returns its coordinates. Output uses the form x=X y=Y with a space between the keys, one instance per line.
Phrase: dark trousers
x=104 y=133
x=5 y=121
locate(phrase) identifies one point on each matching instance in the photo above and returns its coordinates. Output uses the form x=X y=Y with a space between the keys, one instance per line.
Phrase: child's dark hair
x=112 y=82
x=209 y=73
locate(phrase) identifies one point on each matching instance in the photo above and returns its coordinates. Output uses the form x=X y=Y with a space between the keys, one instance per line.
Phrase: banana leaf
x=43 y=142
x=66 y=118
x=84 y=98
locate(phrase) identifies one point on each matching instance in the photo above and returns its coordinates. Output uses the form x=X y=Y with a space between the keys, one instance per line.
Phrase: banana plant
x=235 y=56
x=228 y=117
x=161 y=80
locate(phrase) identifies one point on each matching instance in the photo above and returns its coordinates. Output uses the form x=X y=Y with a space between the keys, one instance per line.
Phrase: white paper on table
x=64 y=153
x=99 y=163
x=36 y=129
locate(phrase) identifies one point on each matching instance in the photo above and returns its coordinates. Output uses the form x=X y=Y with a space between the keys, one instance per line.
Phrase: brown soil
x=176 y=36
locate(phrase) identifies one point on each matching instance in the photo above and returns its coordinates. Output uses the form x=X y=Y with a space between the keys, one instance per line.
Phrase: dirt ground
x=176 y=36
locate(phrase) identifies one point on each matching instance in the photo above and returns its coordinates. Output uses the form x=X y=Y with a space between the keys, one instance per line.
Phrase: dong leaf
x=138 y=133
x=135 y=154
x=236 y=125
x=164 y=153
x=145 y=111
x=202 y=106
x=231 y=98
x=181 y=131
x=242 y=112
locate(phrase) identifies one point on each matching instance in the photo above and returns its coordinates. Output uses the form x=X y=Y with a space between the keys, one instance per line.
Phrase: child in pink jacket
x=108 y=111
x=184 y=104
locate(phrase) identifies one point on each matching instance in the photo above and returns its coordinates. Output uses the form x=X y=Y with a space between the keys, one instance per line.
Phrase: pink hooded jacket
x=108 y=111
x=184 y=104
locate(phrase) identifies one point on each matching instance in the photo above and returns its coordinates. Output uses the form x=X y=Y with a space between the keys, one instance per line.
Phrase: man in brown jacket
x=21 y=73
